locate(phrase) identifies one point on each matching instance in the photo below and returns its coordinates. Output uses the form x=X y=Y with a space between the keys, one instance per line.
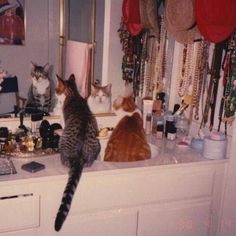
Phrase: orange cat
x=127 y=141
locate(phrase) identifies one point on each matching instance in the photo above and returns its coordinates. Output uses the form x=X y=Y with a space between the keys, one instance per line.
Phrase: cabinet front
x=178 y=219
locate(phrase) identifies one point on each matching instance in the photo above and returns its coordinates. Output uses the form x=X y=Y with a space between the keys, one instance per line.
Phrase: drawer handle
x=16 y=196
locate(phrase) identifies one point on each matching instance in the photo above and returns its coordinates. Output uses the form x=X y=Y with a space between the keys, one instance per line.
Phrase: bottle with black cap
x=170 y=129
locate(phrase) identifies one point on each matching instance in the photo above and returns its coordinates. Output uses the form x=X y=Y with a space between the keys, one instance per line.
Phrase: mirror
x=43 y=43
x=41 y=47
x=45 y=40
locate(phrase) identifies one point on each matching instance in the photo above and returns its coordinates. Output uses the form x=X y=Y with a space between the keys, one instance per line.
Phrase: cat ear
x=72 y=77
x=59 y=79
x=46 y=67
x=117 y=102
x=33 y=64
x=93 y=88
x=128 y=90
x=108 y=88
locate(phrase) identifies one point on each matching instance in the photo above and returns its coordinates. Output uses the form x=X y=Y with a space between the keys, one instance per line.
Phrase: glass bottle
x=160 y=127
x=182 y=125
x=170 y=129
x=148 y=128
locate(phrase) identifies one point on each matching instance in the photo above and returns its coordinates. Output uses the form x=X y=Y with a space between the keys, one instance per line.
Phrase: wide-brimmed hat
x=180 y=20
x=131 y=16
x=216 y=19
x=149 y=16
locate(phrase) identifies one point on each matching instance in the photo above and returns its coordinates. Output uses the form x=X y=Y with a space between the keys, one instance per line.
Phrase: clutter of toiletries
x=175 y=126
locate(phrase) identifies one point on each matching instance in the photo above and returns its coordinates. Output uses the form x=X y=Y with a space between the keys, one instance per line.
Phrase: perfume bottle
x=182 y=125
x=160 y=127
x=148 y=126
x=170 y=129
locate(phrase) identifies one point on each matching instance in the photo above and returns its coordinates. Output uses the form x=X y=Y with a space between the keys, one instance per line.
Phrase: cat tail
x=73 y=180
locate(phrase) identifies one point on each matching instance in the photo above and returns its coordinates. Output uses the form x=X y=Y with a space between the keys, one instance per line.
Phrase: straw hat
x=216 y=19
x=149 y=16
x=180 y=20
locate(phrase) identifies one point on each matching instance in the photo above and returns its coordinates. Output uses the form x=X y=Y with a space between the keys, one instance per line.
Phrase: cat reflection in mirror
x=128 y=140
x=39 y=94
x=100 y=99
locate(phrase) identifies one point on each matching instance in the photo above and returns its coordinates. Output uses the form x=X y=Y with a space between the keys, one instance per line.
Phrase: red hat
x=131 y=14
x=216 y=19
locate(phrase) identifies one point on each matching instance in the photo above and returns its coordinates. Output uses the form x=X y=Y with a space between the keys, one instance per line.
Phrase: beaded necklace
x=230 y=89
x=200 y=73
x=196 y=77
x=186 y=70
x=142 y=63
x=160 y=66
x=148 y=79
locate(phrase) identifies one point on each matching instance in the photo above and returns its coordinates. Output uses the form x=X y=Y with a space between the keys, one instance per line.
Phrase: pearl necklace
x=186 y=70
x=160 y=65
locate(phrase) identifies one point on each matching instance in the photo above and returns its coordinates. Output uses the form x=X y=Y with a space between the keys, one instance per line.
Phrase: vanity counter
x=169 y=156
x=147 y=197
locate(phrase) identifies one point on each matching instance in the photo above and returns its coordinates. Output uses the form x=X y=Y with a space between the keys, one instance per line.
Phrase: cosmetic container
x=148 y=128
x=147 y=108
x=159 y=127
x=170 y=129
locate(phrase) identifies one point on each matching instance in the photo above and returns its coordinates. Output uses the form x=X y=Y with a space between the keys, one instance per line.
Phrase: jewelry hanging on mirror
x=186 y=70
x=160 y=66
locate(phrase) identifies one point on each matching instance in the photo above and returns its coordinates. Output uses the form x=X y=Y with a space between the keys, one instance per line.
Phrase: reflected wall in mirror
x=42 y=41
x=41 y=47
x=84 y=30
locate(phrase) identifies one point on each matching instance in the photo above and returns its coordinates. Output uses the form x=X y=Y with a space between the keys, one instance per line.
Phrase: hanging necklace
x=185 y=70
x=160 y=65
x=142 y=63
x=195 y=80
x=230 y=90
x=201 y=66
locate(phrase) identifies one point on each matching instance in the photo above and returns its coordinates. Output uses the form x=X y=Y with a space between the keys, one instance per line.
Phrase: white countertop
x=169 y=155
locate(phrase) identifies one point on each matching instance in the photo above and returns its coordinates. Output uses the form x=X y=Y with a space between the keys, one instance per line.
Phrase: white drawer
x=19 y=212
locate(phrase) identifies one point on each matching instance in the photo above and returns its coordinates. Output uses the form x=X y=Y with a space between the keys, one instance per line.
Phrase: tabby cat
x=78 y=144
x=127 y=141
x=100 y=99
x=39 y=94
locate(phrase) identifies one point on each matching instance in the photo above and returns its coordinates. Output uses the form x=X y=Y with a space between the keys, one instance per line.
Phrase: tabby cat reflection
x=78 y=143
x=39 y=94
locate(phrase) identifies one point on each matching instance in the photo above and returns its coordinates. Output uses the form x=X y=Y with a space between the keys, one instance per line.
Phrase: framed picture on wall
x=12 y=22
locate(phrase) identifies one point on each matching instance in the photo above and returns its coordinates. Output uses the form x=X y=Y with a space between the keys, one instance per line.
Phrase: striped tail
x=74 y=177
